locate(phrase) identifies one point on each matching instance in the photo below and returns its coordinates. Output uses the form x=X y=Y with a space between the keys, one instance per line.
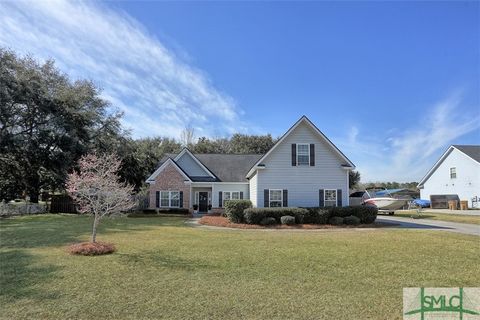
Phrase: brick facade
x=170 y=180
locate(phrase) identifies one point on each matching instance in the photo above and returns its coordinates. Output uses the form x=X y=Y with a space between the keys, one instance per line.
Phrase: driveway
x=410 y=223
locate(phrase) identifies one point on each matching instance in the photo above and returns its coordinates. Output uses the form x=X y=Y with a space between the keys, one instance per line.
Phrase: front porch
x=201 y=198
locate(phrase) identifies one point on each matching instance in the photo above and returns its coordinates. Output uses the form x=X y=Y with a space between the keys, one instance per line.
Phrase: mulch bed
x=218 y=221
x=91 y=248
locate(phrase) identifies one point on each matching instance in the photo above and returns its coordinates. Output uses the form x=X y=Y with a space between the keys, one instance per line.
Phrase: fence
x=62 y=204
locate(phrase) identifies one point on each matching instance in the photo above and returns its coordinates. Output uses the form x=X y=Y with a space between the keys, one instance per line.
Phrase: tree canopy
x=47 y=123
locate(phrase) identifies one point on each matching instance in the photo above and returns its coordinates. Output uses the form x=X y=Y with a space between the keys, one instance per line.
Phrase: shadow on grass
x=21 y=278
x=56 y=230
x=162 y=260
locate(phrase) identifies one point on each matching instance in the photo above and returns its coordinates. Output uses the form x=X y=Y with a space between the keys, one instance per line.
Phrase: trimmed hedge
x=268 y=221
x=167 y=211
x=336 y=221
x=255 y=215
x=234 y=209
x=316 y=215
x=288 y=220
x=366 y=214
x=351 y=220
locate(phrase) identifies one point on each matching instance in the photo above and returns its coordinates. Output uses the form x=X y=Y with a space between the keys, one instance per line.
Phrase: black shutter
x=294 y=154
x=321 y=202
x=266 y=198
x=181 y=199
x=339 y=197
x=312 y=154
x=157 y=199
x=241 y=194
x=285 y=198
x=220 y=194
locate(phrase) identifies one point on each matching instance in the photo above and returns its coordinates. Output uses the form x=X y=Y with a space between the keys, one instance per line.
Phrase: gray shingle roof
x=227 y=167
x=472 y=151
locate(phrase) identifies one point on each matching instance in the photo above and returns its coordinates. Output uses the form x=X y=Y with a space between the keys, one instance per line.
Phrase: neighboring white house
x=456 y=172
x=304 y=168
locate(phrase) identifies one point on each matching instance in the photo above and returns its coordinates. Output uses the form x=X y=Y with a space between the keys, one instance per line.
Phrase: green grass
x=439 y=216
x=163 y=269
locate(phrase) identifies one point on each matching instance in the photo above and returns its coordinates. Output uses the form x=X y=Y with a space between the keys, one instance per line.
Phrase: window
x=230 y=195
x=164 y=199
x=330 y=198
x=303 y=154
x=275 y=198
x=174 y=199
x=170 y=199
x=453 y=173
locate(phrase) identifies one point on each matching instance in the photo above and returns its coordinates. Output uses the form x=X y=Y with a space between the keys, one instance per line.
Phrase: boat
x=383 y=200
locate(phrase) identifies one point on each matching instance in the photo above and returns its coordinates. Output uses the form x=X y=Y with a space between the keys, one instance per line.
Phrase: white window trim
x=270 y=197
x=169 y=199
x=308 y=148
x=230 y=194
x=451 y=172
x=325 y=194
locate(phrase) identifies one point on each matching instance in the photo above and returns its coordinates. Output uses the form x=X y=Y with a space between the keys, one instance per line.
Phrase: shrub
x=288 y=220
x=351 y=220
x=255 y=215
x=366 y=214
x=166 y=211
x=268 y=221
x=341 y=211
x=234 y=209
x=91 y=248
x=316 y=215
x=336 y=221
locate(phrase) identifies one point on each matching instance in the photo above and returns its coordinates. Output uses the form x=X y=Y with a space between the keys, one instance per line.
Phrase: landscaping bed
x=242 y=212
x=219 y=221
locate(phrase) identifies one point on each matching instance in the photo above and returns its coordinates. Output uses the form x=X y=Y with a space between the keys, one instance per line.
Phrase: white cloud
x=406 y=154
x=157 y=90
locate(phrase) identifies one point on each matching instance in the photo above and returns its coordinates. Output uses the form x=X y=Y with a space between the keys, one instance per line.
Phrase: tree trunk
x=94 y=231
x=33 y=187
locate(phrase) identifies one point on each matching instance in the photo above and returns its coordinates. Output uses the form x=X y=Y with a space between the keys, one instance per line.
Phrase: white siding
x=302 y=182
x=466 y=185
x=217 y=187
x=253 y=189
x=190 y=166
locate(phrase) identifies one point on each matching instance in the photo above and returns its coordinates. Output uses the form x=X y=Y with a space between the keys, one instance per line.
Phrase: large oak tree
x=47 y=122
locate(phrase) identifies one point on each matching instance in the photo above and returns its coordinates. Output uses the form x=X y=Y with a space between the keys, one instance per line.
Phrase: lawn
x=439 y=216
x=164 y=269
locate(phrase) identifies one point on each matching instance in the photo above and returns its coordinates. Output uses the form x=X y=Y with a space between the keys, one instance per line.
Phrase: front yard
x=163 y=269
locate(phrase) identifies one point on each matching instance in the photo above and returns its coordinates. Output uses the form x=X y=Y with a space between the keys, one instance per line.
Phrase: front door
x=203 y=201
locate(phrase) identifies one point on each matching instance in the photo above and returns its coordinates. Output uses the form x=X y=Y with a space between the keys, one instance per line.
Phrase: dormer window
x=453 y=173
x=303 y=154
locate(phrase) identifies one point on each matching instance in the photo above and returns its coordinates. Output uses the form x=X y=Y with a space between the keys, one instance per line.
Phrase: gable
x=191 y=166
x=169 y=163
x=452 y=157
x=304 y=131
x=303 y=134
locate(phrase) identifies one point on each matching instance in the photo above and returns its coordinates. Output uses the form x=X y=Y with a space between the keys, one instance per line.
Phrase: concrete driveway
x=410 y=223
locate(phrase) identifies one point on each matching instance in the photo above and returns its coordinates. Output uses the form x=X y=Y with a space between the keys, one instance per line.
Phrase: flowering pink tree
x=97 y=189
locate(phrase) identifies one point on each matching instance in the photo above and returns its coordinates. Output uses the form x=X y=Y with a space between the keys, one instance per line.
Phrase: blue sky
x=391 y=83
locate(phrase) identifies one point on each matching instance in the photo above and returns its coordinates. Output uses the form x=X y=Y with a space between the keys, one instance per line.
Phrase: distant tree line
x=48 y=121
x=391 y=185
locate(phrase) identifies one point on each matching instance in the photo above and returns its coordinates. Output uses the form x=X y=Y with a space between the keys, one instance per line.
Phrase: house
x=304 y=168
x=457 y=172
